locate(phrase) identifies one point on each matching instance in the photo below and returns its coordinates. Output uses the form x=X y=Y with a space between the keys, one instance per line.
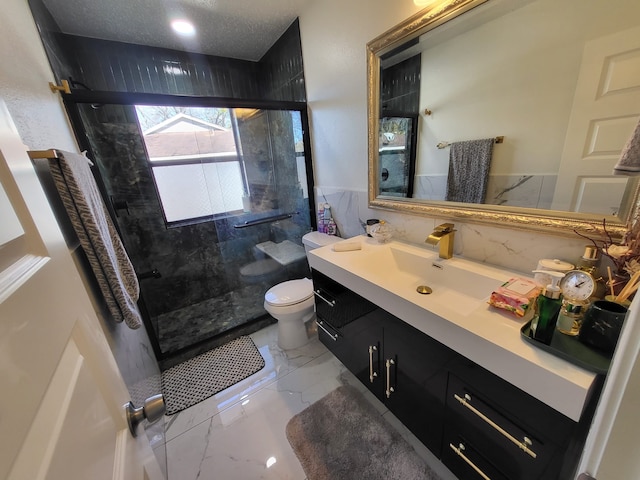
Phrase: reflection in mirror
x=560 y=80
x=397 y=150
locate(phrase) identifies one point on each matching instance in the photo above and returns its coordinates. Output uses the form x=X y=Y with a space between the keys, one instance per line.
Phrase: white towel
x=469 y=164
x=629 y=163
x=98 y=237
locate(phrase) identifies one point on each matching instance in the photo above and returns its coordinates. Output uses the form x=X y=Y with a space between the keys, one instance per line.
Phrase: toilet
x=292 y=302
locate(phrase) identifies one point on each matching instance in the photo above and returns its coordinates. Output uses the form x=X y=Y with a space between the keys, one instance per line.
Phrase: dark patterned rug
x=205 y=375
x=343 y=437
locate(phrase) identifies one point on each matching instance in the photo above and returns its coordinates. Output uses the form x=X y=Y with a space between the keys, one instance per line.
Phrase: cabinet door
x=364 y=356
x=417 y=368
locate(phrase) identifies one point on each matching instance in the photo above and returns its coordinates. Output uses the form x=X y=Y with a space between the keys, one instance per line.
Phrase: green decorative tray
x=572 y=350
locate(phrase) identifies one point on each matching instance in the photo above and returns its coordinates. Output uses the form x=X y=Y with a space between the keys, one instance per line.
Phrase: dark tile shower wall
x=400 y=89
x=109 y=66
x=282 y=68
x=103 y=65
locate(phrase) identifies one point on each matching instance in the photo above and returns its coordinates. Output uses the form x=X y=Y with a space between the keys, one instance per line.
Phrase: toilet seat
x=289 y=293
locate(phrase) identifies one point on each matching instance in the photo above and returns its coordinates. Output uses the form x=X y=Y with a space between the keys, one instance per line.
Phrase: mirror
x=557 y=83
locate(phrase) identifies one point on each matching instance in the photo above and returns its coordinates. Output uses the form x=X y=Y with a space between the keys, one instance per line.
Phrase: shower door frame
x=76 y=97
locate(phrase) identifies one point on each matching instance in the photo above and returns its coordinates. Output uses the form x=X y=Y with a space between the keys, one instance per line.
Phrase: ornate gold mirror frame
x=550 y=221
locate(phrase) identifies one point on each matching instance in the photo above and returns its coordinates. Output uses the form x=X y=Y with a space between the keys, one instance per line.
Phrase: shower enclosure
x=211 y=202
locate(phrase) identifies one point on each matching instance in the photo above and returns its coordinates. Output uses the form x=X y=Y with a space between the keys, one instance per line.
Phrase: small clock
x=578 y=285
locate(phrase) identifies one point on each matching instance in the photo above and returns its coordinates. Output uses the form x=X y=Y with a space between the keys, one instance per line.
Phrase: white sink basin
x=456 y=283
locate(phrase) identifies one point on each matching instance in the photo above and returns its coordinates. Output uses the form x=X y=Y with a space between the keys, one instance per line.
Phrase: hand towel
x=469 y=164
x=629 y=163
x=98 y=237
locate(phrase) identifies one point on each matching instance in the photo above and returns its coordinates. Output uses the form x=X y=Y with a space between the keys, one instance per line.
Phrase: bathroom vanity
x=453 y=369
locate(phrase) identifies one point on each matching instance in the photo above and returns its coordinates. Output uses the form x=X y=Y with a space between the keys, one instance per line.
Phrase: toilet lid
x=289 y=293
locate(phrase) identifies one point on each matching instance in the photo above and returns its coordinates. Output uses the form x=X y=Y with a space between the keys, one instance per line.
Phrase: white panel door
x=61 y=410
x=606 y=109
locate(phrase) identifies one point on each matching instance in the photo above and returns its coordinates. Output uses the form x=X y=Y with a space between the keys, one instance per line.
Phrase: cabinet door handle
x=333 y=337
x=389 y=389
x=523 y=444
x=331 y=303
x=459 y=449
x=372 y=374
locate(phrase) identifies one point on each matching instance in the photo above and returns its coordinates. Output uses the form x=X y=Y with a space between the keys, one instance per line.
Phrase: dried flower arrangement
x=625 y=255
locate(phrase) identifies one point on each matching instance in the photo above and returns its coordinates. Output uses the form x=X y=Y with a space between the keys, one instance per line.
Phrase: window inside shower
x=196 y=159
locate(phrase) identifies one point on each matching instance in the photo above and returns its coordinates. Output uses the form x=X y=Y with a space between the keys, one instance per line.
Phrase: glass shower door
x=211 y=204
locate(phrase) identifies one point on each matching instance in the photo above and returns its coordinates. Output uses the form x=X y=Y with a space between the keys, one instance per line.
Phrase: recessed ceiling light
x=183 y=27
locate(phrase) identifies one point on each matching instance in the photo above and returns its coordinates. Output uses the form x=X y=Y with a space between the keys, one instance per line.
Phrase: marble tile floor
x=240 y=432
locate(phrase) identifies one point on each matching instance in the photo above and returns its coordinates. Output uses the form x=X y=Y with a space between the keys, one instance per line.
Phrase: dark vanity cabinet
x=404 y=368
x=479 y=425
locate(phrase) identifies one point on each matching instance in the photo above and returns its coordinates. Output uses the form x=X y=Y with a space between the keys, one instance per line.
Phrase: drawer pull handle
x=331 y=303
x=389 y=389
x=333 y=337
x=372 y=374
x=522 y=444
x=459 y=451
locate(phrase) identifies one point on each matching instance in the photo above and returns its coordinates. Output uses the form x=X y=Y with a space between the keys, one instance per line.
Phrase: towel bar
x=442 y=145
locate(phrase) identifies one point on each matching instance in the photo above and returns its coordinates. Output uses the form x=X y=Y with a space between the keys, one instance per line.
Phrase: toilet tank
x=313 y=240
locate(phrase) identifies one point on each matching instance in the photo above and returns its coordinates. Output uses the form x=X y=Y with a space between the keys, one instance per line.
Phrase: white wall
x=468 y=82
x=24 y=77
x=334 y=35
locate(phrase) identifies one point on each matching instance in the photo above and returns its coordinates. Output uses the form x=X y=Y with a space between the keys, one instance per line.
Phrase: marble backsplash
x=534 y=191
x=512 y=249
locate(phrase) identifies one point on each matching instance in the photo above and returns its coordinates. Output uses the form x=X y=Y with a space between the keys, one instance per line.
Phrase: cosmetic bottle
x=548 y=305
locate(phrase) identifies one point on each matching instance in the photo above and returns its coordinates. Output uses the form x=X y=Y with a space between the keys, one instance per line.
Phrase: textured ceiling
x=242 y=29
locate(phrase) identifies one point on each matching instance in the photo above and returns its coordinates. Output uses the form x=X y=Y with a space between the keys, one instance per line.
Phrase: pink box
x=516 y=296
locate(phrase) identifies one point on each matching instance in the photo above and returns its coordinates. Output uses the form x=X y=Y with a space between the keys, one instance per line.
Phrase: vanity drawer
x=533 y=415
x=505 y=441
x=466 y=461
x=336 y=305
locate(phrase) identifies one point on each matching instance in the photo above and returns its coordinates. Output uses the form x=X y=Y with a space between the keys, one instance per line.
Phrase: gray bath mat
x=205 y=375
x=342 y=436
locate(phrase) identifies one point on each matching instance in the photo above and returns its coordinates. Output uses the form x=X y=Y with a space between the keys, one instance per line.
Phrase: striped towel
x=98 y=237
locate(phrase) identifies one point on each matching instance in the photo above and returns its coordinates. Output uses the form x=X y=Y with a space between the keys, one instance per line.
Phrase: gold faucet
x=443 y=236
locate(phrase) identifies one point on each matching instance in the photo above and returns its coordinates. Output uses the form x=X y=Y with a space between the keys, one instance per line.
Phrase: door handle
x=152 y=410
x=372 y=373
x=389 y=389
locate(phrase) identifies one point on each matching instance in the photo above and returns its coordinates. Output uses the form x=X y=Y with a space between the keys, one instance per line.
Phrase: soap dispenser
x=548 y=307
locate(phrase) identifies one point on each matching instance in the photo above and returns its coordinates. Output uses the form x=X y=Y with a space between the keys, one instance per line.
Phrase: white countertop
x=483 y=334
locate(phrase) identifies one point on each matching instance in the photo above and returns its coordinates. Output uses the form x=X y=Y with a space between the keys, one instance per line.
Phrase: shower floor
x=182 y=328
